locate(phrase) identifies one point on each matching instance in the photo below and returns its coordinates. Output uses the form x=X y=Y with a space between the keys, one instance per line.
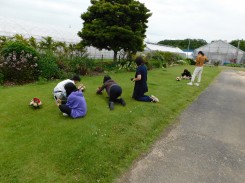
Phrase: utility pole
x=188 y=48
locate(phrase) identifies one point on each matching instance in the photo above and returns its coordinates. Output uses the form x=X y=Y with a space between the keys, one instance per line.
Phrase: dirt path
x=207 y=146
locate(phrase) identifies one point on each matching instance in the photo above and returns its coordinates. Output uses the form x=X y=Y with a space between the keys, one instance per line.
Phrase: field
x=41 y=145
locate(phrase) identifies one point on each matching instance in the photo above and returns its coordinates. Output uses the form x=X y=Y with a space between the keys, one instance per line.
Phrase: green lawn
x=43 y=146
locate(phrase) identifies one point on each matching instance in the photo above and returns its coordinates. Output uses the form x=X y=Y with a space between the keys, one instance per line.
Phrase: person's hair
x=106 y=78
x=76 y=78
x=70 y=87
x=185 y=70
x=139 y=61
x=200 y=52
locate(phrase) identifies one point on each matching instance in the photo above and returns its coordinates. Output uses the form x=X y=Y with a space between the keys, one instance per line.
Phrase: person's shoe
x=111 y=105
x=154 y=99
x=197 y=84
x=190 y=84
x=64 y=114
x=123 y=102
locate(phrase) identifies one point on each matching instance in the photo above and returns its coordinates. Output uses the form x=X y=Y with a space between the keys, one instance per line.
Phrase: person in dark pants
x=76 y=105
x=140 y=86
x=186 y=74
x=113 y=90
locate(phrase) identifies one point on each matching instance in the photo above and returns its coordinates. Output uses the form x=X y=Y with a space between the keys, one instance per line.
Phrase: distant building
x=222 y=52
x=189 y=53
x=150 y=47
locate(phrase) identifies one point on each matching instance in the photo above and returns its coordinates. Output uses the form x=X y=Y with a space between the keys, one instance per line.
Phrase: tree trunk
x=115 y=56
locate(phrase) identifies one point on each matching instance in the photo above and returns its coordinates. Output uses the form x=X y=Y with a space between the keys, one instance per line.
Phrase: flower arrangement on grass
x=82 y=87
x=35 y=102
x=178 y=78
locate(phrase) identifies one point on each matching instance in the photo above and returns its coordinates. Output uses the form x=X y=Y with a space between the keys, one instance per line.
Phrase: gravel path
x=208 y=144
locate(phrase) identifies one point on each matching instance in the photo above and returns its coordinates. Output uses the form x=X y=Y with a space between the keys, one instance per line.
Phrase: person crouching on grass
x=201 y=58
x=113 y=90
x=75 y=106
x=186 y=74
x=59 y=90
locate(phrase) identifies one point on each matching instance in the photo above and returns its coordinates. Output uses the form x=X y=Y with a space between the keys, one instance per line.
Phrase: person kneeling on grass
x=140 y=86
x=76 y=104
x=113 y=90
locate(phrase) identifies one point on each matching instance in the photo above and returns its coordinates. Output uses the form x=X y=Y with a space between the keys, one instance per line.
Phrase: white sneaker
x=190 y=83
x=154 y=99
x=197 y=84
x=64 y=114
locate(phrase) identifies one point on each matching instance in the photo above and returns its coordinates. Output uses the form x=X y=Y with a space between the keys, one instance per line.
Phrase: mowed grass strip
x=43 y=146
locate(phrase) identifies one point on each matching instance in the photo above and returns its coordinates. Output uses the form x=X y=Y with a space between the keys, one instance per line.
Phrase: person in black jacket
x=186 y=74
x=113 y=90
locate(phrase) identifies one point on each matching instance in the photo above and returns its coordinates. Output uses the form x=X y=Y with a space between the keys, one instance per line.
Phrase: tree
x=241 y=45
x=48 y=43
x=184 y=44
x=115 y=25
x=33 y=42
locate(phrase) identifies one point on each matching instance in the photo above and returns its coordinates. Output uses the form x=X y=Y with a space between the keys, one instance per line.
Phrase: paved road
x=208 y=144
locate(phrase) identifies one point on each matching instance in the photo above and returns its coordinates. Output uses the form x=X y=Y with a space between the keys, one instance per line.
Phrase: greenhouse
x=222 y=52
x=10 y=27
x=150 y=47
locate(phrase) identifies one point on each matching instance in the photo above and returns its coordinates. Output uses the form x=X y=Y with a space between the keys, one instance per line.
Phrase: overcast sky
x=171 y=19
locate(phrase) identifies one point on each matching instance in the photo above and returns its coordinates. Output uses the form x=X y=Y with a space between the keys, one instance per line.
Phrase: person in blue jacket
x=140 y=79
x=75 y=106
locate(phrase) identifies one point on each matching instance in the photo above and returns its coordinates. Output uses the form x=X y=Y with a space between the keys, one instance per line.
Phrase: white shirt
x=60 y=87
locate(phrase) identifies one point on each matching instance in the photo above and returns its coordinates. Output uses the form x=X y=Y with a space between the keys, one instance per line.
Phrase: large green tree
x=185 y=44
x=236 y=43
x=115 y=25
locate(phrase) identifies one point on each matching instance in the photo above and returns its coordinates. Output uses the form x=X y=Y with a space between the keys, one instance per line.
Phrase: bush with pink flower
x=19 y=62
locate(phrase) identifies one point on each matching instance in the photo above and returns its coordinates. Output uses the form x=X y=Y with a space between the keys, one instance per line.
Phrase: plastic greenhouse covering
x=9 y=27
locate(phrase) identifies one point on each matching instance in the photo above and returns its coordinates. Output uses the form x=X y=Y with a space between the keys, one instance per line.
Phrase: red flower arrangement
x=35 y=102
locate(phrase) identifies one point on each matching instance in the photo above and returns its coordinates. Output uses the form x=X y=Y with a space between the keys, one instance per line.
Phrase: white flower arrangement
x=35 y=102
x=82 y=87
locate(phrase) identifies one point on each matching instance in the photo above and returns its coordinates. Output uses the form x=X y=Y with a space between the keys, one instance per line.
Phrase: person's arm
x=100 y=89
x=138 y=78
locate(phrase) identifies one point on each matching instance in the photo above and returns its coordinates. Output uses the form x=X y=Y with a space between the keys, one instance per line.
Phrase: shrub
x=190 y=61
x=1 y=78
x=164 y=58
x=109 y=65
x=126 y=65
x=19 y=62
x=156 y=63
x=216 y=63
x=98 y=69
x=81 y=65
x=47 y=66
x=182 y=62
x=233 y=65
x=64 y=74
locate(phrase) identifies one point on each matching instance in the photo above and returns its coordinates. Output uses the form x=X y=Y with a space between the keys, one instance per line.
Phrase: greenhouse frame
x=222 y=52
x=10 y=27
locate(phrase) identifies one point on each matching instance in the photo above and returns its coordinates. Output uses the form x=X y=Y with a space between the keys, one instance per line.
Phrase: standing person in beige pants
x=199 y=68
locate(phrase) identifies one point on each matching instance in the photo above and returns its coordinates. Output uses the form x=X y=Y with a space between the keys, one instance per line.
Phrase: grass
x=43 y=146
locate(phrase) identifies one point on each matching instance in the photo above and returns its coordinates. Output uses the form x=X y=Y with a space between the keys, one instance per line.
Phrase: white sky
x=171 y=19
